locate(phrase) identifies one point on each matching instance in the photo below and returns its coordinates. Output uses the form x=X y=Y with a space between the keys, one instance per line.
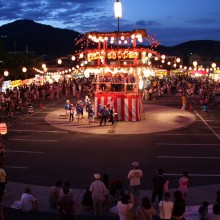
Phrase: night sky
x=172 y=21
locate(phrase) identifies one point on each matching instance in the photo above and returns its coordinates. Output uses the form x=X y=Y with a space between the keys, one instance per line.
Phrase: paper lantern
x=3 y=128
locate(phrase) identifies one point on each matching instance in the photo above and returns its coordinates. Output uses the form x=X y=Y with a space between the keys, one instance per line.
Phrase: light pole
x=118 y=11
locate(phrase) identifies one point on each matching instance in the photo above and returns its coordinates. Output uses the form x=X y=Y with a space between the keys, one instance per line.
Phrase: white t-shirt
x=166 y=208
x=123 y=209
x=134 y=176
x=27 y=202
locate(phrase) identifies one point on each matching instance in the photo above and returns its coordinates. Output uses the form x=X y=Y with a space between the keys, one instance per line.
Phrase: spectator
x=2 y=152
x=99 y=193
x=66 y=185
x=135 y=175
x=179 y=206
x=125 y=206
x=66 y=205
x=158 y=185
x=54 y=193
x=165 y=207
x=3 y=178
x=218 y=197
x=216 y=213
x=183 y=183
x=203 y=211
x=145 y=210
x=87 y=200
x=28 y=201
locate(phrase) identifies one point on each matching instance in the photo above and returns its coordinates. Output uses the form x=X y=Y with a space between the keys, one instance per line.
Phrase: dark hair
x=160 y=171
x=205 y=203
x=166 y=195
x=178 y=195
x=185 y=174
x=58 y=183
x=125 y=198
x=146 y=203
x=216 y=209
x=66 y=184
x=65 y=191
x=28 y=190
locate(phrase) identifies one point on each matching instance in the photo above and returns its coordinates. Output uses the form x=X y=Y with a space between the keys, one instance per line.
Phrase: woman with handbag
x=145 y=211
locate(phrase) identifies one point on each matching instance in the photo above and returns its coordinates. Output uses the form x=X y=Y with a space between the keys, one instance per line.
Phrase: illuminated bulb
x=81 y=56
x=149 y=55
x=73 y=58
x=177 y=60
x=106 y=38
x=59 y=61
x=122 y=37
x=125 y=42
x=163 y=57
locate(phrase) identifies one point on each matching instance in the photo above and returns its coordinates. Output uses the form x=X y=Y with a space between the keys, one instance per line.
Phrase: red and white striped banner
x=127 y=106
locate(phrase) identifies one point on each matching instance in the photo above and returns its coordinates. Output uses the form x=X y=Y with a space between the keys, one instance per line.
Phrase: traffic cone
x=190 y=107
x=41 y=105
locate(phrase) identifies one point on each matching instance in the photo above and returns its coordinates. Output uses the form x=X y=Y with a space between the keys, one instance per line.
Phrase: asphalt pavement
x=150 y=123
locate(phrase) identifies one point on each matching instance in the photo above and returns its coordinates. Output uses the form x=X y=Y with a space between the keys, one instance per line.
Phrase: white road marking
x=174 y=144
x=184 y=134
x=193 y=174
x=13 y=167
x=210 y=128
x=38 y=131
x=186 y=157
x=26 y=152
x=32 y=140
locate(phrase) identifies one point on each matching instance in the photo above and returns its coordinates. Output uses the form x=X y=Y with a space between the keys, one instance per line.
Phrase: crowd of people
x=127 y=203
x=61 y=196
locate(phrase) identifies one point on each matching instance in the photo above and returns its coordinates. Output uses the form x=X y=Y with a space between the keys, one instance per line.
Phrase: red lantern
x=3 y=128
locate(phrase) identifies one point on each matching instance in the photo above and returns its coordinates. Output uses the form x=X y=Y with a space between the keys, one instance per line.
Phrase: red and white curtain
x=127 y=106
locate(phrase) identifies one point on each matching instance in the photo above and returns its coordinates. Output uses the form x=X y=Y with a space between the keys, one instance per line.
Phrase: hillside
x=27 y=35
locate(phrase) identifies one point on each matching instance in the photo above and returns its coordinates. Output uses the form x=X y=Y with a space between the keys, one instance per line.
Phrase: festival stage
x=127 y=106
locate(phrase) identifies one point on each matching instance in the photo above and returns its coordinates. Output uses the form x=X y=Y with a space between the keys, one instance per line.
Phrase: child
x=203 y=211
x=91 y=115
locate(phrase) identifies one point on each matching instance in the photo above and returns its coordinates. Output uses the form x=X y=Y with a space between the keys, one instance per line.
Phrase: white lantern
x=118 y=9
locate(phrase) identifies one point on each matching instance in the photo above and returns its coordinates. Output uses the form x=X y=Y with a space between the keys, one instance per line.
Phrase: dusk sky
x=172 y=21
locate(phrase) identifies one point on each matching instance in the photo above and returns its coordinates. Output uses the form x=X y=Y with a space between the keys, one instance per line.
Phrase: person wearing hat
x=99 y=193
x=135 y=175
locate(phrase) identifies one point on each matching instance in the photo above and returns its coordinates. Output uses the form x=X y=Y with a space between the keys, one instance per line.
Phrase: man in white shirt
x=99 y=193
x=135 y=176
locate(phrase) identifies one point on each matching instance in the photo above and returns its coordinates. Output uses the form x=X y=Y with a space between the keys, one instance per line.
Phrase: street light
x=118 y=10
x=195 y=63
x=213 y=65
x=6 y=73
x=24 y=70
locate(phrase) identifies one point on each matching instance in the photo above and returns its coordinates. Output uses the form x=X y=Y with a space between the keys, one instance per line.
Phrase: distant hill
x=27 y=35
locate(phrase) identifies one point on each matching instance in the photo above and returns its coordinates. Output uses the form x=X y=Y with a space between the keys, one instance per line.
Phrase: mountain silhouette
x=29 y=36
